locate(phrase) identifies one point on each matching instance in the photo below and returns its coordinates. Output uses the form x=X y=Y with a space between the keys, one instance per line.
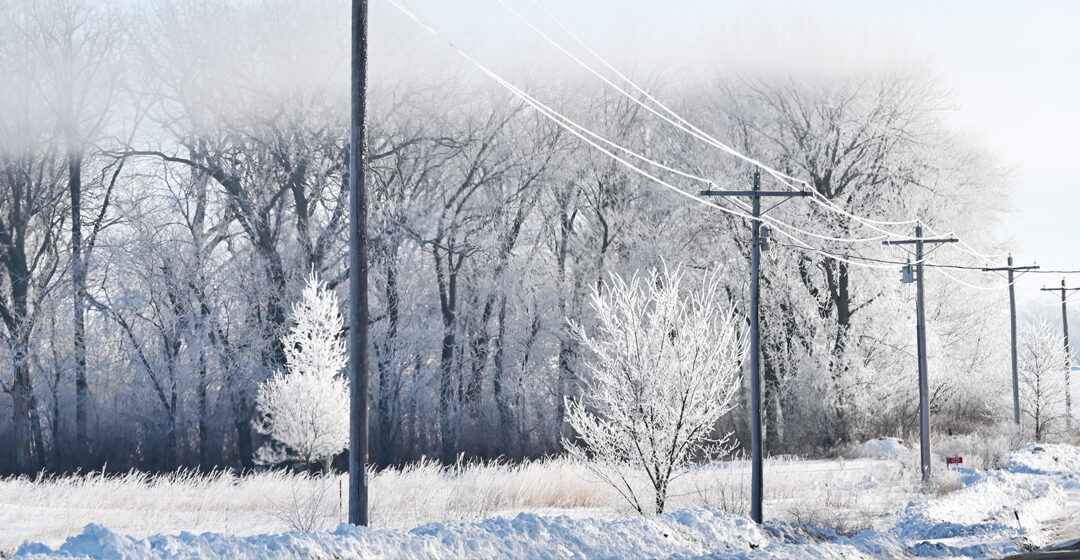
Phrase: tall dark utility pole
x=920 y=338
x=1068 y=355
x=756 y=478
x=358 y=304
x=1012 y=325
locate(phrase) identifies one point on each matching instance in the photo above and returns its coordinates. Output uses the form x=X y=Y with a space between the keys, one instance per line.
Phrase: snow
x=1060 y=460
x=993 y=514
x=687 y=533
x=883 y=448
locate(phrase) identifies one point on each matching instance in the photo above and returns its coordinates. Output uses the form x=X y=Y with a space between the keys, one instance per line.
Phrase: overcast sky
x=1012 y=69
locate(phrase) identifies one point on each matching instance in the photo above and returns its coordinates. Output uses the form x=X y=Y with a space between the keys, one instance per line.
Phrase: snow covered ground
x=1033 y=501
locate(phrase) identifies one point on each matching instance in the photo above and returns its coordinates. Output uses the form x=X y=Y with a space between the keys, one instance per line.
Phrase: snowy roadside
x=995 y=513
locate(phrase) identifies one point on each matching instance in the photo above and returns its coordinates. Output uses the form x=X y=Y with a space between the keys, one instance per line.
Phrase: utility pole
x=1068 y=355
x=920 y=338
x=1012 y=325
x=756 y=478
x=358 y=304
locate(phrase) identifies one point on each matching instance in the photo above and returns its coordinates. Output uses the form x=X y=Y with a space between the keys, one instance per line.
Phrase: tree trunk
x=386 y=400
x=171 y=439
x=562 y=255
x=1038 y=407
x=498 y=387
x=54 y=453
x=78 y=280
x=205 y=462
x=839 y=292
x=447 y=281
x=479 y=348
x=567 y=353
x=26 y=461
x=774 y=413
x=243 y=412
x=24 y=415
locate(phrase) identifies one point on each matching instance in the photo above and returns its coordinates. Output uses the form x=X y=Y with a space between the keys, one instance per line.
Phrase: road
x=1064 y=529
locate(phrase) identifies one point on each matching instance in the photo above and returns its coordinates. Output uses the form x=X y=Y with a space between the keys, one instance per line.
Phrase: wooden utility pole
x=920 y=340
x=756 y=477
x=358 y=304
x=1012 y=325
x=1068 y=354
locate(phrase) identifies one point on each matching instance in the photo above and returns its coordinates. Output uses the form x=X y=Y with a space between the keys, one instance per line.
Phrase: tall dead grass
x=48 y=509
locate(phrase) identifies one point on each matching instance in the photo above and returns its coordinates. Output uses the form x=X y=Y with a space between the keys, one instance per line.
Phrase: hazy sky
x=1012 y=68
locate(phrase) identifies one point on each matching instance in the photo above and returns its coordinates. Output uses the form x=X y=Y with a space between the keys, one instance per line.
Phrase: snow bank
x=883 y=448
x=1047 y=458
x=996 y=513
x=684 y=534
x=1007 y=506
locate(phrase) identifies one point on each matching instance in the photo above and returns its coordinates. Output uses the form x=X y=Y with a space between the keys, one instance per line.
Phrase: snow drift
x=883 y=448
x=996 y=513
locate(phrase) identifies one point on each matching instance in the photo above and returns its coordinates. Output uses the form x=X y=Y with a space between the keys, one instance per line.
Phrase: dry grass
x=838 y=494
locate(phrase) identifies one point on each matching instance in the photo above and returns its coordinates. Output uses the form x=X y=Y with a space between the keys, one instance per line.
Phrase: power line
x=683 y=125
x=687 y=126
x=584 y=133
x=965 y=283
x=967 y=248
x=697 y=132
x=563 y=122
x=700 y=134
x=557 y=116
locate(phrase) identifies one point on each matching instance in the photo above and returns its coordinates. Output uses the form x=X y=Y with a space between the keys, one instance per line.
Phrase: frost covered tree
x=489 y=229
x=307 y=409
x=664 y=369
x=1042 y=381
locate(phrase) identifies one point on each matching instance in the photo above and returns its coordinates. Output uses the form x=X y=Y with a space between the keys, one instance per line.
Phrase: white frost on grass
x=1040 y=485
x=841 y=494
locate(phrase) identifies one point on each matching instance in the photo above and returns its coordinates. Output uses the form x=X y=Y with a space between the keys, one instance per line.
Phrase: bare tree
x=1042 y=383
x=32 y=217
x=664 y=369
x=78 y=45
x=857 y=142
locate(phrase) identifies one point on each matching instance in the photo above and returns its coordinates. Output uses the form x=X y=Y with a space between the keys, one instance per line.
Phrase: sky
x=1011 y=69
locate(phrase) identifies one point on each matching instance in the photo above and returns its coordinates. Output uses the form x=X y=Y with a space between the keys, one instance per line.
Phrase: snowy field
x=859 y=507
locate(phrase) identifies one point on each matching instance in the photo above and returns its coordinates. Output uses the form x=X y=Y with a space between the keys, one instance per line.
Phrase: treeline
x=169 y=175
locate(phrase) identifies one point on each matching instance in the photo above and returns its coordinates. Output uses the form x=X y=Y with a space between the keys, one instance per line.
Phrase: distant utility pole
x=358 y=304
x=920 y=336
x=1068 y=355
x=755 y=338
x=1012 y=325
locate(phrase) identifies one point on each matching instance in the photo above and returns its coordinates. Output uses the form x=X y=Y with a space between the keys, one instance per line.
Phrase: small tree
x=663 y=371
x=307 y=409
x=1042 y=377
